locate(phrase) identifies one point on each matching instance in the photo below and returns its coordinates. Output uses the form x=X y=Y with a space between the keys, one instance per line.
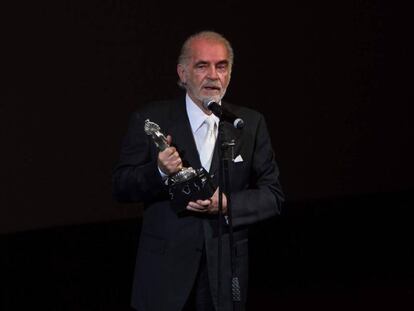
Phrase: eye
x=222 y=66
x=201 y=66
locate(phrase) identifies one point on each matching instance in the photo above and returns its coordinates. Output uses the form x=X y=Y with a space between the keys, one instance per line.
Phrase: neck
x=199 y=104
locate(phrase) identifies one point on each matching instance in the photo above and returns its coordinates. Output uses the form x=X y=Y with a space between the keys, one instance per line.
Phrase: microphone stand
x=226 y=154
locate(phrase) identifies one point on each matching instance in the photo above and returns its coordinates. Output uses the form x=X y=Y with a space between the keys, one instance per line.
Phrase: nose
x=212 y=73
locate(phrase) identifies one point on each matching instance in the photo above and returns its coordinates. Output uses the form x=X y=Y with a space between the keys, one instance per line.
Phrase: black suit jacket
x=170 y=246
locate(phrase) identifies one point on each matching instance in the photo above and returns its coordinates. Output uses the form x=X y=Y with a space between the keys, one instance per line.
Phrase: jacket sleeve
x=264 y=196
x=136 y=177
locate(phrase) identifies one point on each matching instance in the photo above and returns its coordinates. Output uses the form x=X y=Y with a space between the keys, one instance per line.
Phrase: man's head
x=204 y=66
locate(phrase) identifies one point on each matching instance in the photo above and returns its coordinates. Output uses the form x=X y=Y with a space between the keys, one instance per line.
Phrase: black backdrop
x=333 y=79
x=330 y=77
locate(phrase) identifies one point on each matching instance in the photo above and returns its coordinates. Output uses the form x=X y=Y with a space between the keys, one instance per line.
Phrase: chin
x=212 y=96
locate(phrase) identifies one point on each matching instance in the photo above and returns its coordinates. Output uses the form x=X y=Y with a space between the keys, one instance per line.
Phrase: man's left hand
x=209 y=206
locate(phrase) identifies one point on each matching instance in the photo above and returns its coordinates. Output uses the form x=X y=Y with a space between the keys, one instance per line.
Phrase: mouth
x=211 y=88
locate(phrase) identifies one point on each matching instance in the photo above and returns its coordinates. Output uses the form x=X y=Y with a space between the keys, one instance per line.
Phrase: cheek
x=225 y=79
x=198 y=79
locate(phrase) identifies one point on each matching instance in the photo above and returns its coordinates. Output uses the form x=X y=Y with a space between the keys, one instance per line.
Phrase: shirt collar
x=196 y=115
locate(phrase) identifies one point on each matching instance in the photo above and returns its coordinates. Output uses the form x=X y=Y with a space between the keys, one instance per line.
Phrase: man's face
x=207 y=72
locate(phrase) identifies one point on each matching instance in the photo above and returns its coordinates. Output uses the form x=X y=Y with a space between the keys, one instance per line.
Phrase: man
x=176 y=266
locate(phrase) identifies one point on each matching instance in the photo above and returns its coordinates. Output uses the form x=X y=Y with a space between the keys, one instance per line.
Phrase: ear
x=181 y=73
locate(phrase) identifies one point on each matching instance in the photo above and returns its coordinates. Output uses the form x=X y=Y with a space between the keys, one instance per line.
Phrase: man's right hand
x=169 y=161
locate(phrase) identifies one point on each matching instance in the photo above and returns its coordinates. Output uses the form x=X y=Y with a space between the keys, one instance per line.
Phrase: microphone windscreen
x=207 y=102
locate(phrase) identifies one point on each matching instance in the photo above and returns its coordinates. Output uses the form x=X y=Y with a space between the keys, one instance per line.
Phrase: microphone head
x=238 y=123
x=207 y=102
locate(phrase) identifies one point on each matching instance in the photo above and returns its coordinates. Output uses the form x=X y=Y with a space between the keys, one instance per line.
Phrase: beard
x=216 y=98
x=202 y=95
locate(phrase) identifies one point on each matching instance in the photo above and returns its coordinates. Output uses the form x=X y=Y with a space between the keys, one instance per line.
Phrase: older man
x=176 y=266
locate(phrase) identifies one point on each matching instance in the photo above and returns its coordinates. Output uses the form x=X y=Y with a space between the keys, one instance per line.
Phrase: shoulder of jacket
x=244 y=112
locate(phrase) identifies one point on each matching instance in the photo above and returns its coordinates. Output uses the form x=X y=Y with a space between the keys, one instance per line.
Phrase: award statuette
x=186 y=185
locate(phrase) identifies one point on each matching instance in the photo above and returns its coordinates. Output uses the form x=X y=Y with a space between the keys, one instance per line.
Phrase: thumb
x=169 y=140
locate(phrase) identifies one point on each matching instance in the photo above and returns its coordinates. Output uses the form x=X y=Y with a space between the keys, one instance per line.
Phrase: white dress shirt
x=197 y=118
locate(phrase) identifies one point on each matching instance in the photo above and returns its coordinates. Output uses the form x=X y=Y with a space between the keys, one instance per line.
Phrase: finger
x=175 y=163
x=169 y=151
x=196 y=205
x=189 y=208
x=204 y=202
x=171 y=155
x=192 y=206
x=174 y=155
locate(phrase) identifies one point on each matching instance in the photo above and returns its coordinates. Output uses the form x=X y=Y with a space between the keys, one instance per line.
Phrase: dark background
x=333 y=80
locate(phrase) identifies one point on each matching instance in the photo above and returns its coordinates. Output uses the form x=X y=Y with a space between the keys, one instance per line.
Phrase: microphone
x=223 y=114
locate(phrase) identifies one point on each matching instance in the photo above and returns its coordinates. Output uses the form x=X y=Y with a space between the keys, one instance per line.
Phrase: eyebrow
x=223 y=62
x=203 y=62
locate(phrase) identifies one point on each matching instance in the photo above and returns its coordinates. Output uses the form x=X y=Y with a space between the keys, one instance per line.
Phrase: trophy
x=186 y=185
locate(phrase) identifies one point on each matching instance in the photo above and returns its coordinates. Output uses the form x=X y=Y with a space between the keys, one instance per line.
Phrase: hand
x=209 y=206
x=169 y=160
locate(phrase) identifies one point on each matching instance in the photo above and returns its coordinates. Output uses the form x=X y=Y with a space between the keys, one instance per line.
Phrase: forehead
x=208 y=50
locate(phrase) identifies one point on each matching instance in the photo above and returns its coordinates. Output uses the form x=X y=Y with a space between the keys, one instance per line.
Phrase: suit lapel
x=182 y=135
